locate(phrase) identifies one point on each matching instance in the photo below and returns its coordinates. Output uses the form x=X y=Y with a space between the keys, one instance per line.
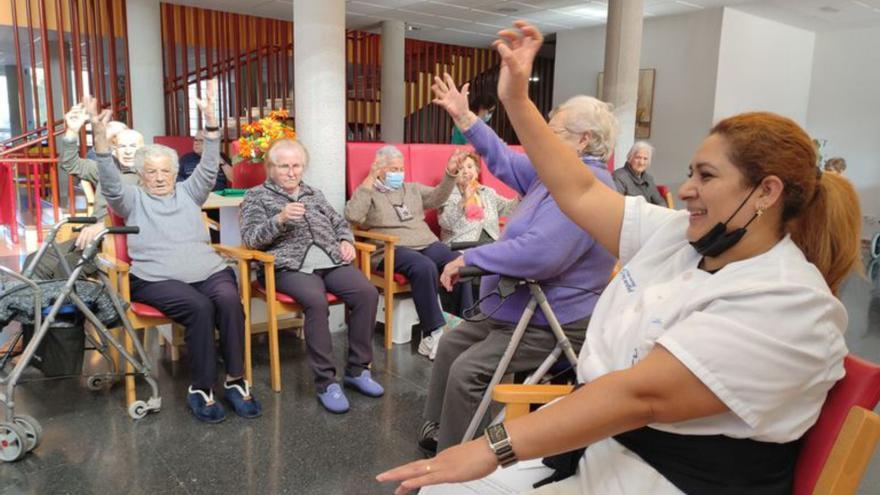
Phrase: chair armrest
x=236 y=252
x=365 y=247
x=508 y=393
x=106 y=261
x=851 y=453
x=366 y=234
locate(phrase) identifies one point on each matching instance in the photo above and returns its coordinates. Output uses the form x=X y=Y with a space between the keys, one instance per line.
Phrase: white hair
x=388 y=152
x=287 y=144
x=151 y=152
x=587 y=114
x=638 y=146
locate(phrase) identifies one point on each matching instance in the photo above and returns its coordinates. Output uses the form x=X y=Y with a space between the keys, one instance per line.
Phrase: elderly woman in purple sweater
x=570 y=266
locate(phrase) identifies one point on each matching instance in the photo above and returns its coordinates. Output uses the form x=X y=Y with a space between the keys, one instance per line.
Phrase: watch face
x=496 y=433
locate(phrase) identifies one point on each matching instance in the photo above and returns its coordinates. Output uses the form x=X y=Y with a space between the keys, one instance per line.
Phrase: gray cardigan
x=173 y=243
x=630 y=184
x=85 y=169
x=455 y=226
x=321 y=226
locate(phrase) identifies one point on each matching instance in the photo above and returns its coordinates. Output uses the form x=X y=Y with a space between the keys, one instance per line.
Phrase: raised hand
x=75 y=119
x=518 y=48
x=446 y=95
x=90 y=106
x=453 y=166
x=99 y=131
x=206 y=104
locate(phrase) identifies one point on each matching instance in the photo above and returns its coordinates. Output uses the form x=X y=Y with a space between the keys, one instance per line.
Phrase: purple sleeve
x=511 y=167
x=528 y=255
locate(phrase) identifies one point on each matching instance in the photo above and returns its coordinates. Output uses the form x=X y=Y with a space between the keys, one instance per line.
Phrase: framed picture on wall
x=644 y=102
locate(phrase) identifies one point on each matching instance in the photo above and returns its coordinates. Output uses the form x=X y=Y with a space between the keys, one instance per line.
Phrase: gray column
x=319 y=92
x=393 y=97
x=623 y=45
x=146 y=72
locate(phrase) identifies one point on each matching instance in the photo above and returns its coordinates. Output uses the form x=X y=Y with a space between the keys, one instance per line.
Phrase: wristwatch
x=499 y=442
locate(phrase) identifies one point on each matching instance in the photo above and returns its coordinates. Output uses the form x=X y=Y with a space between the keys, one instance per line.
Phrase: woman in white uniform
x=711 y=353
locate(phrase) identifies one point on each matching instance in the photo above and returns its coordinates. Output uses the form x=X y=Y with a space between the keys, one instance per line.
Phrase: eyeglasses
x=286 y=168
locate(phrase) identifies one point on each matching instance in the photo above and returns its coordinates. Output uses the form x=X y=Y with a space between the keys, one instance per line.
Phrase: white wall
x=763 y=65
x=683 y=50
x=844 y=106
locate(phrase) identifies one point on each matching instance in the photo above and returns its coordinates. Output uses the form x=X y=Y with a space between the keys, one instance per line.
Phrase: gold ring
x=428 y=468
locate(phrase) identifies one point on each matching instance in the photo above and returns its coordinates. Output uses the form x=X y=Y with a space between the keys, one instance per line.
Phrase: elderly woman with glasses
x=174 y=269
x=313 y=249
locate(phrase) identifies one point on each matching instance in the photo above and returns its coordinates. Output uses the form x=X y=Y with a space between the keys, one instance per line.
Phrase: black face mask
x=718 y=240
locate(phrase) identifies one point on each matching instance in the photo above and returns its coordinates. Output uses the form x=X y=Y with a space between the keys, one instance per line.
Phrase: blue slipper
x=243 y=403
x=204 y=407
x=364 y=384
x=333 y=399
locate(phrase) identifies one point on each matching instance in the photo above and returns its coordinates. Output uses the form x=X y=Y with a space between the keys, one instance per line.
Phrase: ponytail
x=828 y=229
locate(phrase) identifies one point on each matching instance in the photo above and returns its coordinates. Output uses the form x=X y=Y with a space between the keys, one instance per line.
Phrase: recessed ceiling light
x=410 y=27
x=507 y=10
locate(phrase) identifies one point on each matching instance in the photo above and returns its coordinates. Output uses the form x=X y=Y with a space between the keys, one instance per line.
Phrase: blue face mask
x=394 y=180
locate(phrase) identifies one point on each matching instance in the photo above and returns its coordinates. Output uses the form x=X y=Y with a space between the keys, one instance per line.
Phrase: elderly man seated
x=174 y=269
x=633 y=178
x=123 y=142
x=313 y=249
x=538 y=243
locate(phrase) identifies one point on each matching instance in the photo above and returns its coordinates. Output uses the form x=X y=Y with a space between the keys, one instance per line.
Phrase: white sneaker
x=428 y=345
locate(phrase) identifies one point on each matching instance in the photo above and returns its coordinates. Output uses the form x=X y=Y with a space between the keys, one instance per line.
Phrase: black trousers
x=201 y=307
x=310 y=290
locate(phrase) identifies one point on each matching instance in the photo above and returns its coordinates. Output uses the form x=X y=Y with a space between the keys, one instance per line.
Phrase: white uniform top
x=764 y=334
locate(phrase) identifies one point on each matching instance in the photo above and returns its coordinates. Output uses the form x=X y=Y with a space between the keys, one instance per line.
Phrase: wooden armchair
x=835 y=451
x=115 y=261
x=389 y=282
x=278 y=303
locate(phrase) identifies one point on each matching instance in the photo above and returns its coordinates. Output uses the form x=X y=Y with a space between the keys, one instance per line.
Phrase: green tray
x=232 y=193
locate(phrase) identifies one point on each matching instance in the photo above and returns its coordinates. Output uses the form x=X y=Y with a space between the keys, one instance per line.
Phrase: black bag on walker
x=61 y=351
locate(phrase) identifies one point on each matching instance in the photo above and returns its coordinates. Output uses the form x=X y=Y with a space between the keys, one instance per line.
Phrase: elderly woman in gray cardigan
x=173 y=266
x=473 y=210
x=313 y=249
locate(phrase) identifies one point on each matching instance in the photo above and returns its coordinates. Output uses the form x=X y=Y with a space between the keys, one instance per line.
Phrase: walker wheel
x=138 y=409
x=95 y=383
x=874 y=270
x=875 y=246
x=13 y=442
x=32 y=430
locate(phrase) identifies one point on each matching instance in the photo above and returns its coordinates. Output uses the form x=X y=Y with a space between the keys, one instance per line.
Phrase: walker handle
x=123 y=230
x=471 y=272
x=82 y=220
x=460 y=246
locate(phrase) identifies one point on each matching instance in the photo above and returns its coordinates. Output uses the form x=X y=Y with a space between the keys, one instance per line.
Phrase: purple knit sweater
x=539 y=242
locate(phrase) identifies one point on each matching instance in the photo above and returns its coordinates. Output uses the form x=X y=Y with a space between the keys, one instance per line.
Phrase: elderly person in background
x=538 y=243
x=313 y=249
x=386 y=204
x=484 y=107
x=189 y=161
x=633 y=179
x=124 y=144
x=173 y=267
x=473 y=210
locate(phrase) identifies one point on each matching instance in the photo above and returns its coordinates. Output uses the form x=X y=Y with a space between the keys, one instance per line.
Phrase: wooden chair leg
x=130 y=385
x=248 y=359
x=274 y=351
x=389 y=316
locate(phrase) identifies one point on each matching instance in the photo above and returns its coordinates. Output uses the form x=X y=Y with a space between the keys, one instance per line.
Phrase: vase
x=247 y=174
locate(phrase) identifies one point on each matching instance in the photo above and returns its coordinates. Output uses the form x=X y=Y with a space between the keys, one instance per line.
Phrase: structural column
x=319 y=92
x=146 y=72
x=393 y=97
x=623 y=46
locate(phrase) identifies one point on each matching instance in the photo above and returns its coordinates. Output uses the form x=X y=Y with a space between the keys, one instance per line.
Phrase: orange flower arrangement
x=257 y=136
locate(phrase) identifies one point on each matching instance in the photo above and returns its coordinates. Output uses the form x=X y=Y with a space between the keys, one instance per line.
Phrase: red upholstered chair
x=114 y=258
x=278 y=303
x=181 y=144
x=359 y=160
x=835 y=451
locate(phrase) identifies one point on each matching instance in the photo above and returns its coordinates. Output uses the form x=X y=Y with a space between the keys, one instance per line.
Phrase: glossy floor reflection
x=91 y=446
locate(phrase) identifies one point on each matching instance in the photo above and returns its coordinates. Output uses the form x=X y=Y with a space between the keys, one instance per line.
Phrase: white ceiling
x=475 y=22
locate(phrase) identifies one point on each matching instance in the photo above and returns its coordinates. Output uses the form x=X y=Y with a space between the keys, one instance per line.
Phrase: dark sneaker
x=364 y=384
x=428 y=438
x=204 y=407
x=333 y=399
x=243 y=403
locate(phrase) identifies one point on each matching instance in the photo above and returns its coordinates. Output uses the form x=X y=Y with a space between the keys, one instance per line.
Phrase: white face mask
x=487 y=117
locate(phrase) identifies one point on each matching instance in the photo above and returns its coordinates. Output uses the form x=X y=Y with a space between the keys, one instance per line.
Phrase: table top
x=217 y=201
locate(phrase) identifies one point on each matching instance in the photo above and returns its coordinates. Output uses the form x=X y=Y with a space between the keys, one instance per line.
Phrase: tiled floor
x=91 y=446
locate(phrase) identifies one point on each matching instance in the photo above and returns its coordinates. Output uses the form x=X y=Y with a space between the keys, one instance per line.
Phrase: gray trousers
x=466 y=360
